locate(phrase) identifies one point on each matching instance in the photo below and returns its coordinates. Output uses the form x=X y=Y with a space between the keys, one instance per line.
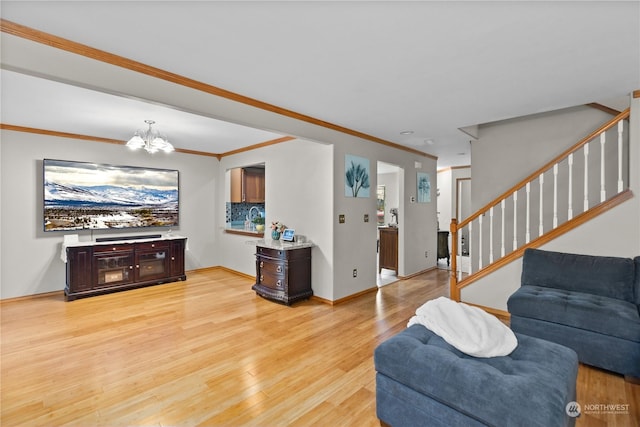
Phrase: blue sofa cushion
x=608 y=316
x=531 y=385
x=610 y=277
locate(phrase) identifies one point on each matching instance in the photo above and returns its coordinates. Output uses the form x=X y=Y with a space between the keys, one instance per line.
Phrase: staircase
x=584 y=181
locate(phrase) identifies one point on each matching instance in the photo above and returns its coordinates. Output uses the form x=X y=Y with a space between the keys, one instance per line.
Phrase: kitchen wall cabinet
x=247 y=185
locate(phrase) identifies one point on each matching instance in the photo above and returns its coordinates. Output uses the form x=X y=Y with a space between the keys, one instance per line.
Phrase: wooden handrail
x=547 y=166
x=603 y=108
x=545 y=238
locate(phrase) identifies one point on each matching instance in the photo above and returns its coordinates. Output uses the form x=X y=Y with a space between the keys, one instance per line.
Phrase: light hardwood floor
x=208 y=351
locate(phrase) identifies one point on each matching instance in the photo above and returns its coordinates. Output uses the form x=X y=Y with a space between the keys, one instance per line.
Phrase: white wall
x=31 y=258
x=355 y=240
x=298 y=185
x=523 y=145
x=615 y=233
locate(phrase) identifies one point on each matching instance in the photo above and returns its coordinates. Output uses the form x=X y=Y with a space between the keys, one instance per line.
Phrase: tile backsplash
x=239 y=211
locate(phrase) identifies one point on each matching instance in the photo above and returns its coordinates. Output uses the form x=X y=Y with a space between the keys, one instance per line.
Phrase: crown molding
x=38 y=36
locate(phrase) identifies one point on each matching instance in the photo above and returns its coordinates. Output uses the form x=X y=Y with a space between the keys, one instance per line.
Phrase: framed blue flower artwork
x=356 y=180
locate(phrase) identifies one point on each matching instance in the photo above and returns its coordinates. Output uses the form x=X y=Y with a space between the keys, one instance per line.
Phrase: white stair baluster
x=620 y=130
x=480 y=242
x=570 y=209
x=502 y=230
x=555 y=195
x=541 y=225
x=470 y=247
x=515 y=220
x=603 y=192
x=491 y=235
x=586 y=177
x=527 y=234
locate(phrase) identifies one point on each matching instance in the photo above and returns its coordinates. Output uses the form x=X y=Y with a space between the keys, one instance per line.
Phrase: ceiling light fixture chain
x=151 y=140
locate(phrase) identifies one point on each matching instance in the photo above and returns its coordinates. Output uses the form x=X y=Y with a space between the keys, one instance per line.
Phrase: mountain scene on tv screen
x=68 y=207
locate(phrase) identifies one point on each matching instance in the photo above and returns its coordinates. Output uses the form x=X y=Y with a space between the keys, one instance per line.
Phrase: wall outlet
x=426 y=254
x=366 y=217
x=355 y=272
x=341 y=218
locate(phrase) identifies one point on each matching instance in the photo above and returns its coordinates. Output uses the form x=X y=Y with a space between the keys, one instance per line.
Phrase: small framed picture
x=424 y=187
x=287 y=234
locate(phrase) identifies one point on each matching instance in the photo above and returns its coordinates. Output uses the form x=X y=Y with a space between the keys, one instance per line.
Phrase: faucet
x=251 y=216
x=251 y=210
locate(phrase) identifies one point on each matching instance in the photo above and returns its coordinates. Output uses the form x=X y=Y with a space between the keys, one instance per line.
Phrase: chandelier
x=150 y=139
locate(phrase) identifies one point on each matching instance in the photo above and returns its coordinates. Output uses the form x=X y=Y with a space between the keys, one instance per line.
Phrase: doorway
x=388 y=252
x=463 y=211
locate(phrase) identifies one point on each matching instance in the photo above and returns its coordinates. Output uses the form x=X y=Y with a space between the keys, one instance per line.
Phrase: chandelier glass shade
x=151 y=140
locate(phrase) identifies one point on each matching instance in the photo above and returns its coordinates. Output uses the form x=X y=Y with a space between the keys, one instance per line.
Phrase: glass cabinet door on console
x=152 y=261
x=113 y=268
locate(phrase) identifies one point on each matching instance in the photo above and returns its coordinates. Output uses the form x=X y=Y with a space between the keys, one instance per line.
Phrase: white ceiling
x=376 y=67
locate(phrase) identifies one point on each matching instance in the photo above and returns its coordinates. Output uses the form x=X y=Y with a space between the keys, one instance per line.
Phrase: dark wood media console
x=95 y=268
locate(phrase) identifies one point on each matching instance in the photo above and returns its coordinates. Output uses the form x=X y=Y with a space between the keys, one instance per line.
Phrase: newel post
x=453 y=285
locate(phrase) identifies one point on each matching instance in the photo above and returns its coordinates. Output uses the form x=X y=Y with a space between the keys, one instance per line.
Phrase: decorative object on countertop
x=276 y=228
x=259 y=222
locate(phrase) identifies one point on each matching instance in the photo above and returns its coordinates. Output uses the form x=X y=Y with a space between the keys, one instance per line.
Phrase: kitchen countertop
x=238 y=228
x=279 y=244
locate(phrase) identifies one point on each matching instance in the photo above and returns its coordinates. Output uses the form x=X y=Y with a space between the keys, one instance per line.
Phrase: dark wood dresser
x=283 y=274
x=388 y=251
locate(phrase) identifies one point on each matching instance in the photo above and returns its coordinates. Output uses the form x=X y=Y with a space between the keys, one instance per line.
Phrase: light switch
x=341 y=218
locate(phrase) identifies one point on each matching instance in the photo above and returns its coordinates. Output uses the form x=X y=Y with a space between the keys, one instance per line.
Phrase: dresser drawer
x=152 y=246
x=272 y=253
x=271 y=267
x=113 y=248
x=273 y=281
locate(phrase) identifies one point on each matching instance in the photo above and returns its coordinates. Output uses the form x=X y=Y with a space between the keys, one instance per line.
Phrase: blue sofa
x=587 y=303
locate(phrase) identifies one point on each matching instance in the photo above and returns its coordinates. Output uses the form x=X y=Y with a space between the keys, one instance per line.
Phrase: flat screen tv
x=79 y=195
